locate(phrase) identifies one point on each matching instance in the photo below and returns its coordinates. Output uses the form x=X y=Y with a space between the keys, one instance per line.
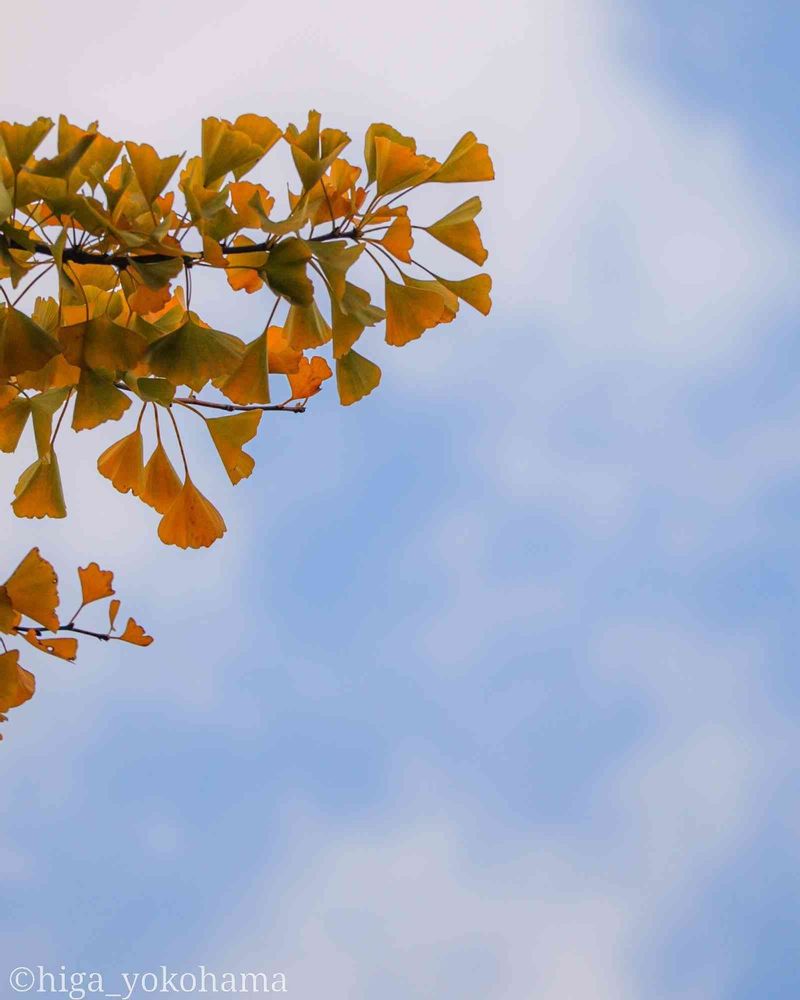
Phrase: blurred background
x=490 y=691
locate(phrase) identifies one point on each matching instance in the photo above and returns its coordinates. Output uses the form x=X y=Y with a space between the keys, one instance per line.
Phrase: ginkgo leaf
x=410 y=311
x=468 y=161
x=228 y=435
x=12 y=422
x=123 y=464
x=351 y=316
x=457 y=231
x=113 y=611
x=249 y=382
x=449 y=299
x=381 y=130
x=245 y=196
x=306 y=327
x=43 y=409
x=101 y=343
x=283 y=358
x=64 y=649
x=33 y=589
x=161 y=483
x=97 y=400
x=336 y=258
x=356 y=377
x=151 y=171
x=398 y=239
x=192 y=355
x=135 y=634
x=9 y=618
x=38 y=491
x=225 y=148
x=309 y=378
x=21 y=141
x=64 y=163
x=243 y=268
x=474 y=291
x=285 y=271
x=24 y=345
x=17 y=685
x=398 y=167
x=192 y=522
x=155 y=390
x=95 y=583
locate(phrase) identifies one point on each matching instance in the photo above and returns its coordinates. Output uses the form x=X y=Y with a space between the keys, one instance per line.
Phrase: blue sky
x=490 y=691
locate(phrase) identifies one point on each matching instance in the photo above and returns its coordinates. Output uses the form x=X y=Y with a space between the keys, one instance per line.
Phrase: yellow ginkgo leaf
x=21 y=141
x=306 y=327
x=193 y=354
x=17 y=684
x=228 y=435
x=151 y=171
x=13 y=418
x=95 y=583
x=32 y=590
x=248 y=383
x=449 y=299
x=285 y=271
x=457 y=231
x=469 y=160
x=225 y=148
x=192 y=522
x=410 y=311
x=101 y=343
x=161 y=483
x=123 y=463
x=356 y=377
x=38 y=491
x=97 y=400
x=24 y=345
x=64 y=649
x=382 y=130
x=398 y=167
x=474 y=291
x=336 y=258
x=135 y=634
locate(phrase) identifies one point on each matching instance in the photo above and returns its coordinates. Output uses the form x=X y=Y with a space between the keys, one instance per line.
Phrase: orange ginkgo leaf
x=192 y=522
x=242 y=271
x=469 y=160
x=243 y=194
x=356 y=377
x=113 y=611
x=95 y=583
x=410 y=311
x=309 y=378
x=135 y=634
x=38 y=492
x=13 y=418
x=457 y=231
x=64 y=649
x=398 y=239
x=9 y=617
x=283 y=358
x=123 y=463
x=17 y=685
x=161 y=483
x=32 y=590
x=228 y=435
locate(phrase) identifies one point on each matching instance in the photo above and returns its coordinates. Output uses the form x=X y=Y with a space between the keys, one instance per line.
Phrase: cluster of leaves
x=32 y=592
x=122 y=248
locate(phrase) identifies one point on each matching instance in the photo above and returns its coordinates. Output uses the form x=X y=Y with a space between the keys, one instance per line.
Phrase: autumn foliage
x=122 y=244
